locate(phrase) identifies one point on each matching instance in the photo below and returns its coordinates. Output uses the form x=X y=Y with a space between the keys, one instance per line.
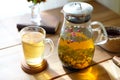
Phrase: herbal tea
x=33 y=47
x=77 y=53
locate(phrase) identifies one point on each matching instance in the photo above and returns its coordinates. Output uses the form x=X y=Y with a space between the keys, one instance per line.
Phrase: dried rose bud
x=36 y=1
x=28 y=0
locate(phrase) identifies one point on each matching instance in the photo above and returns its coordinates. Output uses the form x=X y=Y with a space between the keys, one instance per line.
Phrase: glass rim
x=33 y=28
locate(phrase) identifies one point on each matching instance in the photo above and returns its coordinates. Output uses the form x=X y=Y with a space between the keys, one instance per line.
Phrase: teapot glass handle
x=99 y=33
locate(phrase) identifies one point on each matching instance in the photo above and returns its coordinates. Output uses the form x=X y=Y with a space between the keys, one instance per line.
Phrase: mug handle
x=99 y=33
x=51 y=45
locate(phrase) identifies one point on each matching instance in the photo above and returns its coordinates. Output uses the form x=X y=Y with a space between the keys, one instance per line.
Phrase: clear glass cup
x=33 y=43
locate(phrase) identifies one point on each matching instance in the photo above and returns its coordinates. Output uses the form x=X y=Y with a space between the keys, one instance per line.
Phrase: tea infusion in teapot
x=76 y=44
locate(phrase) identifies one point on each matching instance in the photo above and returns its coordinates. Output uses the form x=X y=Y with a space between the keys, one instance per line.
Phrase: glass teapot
x=79 y=36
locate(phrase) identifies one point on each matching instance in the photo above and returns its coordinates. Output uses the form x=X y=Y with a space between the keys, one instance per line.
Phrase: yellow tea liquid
x=77 y=53
x=33 y=47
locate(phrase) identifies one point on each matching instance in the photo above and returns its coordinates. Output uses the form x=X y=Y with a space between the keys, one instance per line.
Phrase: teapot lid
x=78 y=8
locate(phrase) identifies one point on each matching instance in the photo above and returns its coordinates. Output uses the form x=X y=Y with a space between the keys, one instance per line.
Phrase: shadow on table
x=45 y=75
x=95 y=72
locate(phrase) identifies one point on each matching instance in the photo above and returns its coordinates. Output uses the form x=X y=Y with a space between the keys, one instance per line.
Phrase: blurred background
x=9 y=8
x=114 y=5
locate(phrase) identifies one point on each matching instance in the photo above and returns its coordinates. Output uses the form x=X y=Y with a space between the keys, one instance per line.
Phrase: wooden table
x=11 y=53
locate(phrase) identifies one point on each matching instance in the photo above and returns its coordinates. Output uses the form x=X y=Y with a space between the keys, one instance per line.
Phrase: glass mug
x=33 y=43
x=79 y=36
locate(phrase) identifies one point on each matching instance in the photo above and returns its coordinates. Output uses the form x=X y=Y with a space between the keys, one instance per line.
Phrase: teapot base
x=70 y=68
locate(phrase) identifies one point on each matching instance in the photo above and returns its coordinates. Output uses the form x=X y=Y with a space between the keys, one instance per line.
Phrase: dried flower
x=36 y=1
